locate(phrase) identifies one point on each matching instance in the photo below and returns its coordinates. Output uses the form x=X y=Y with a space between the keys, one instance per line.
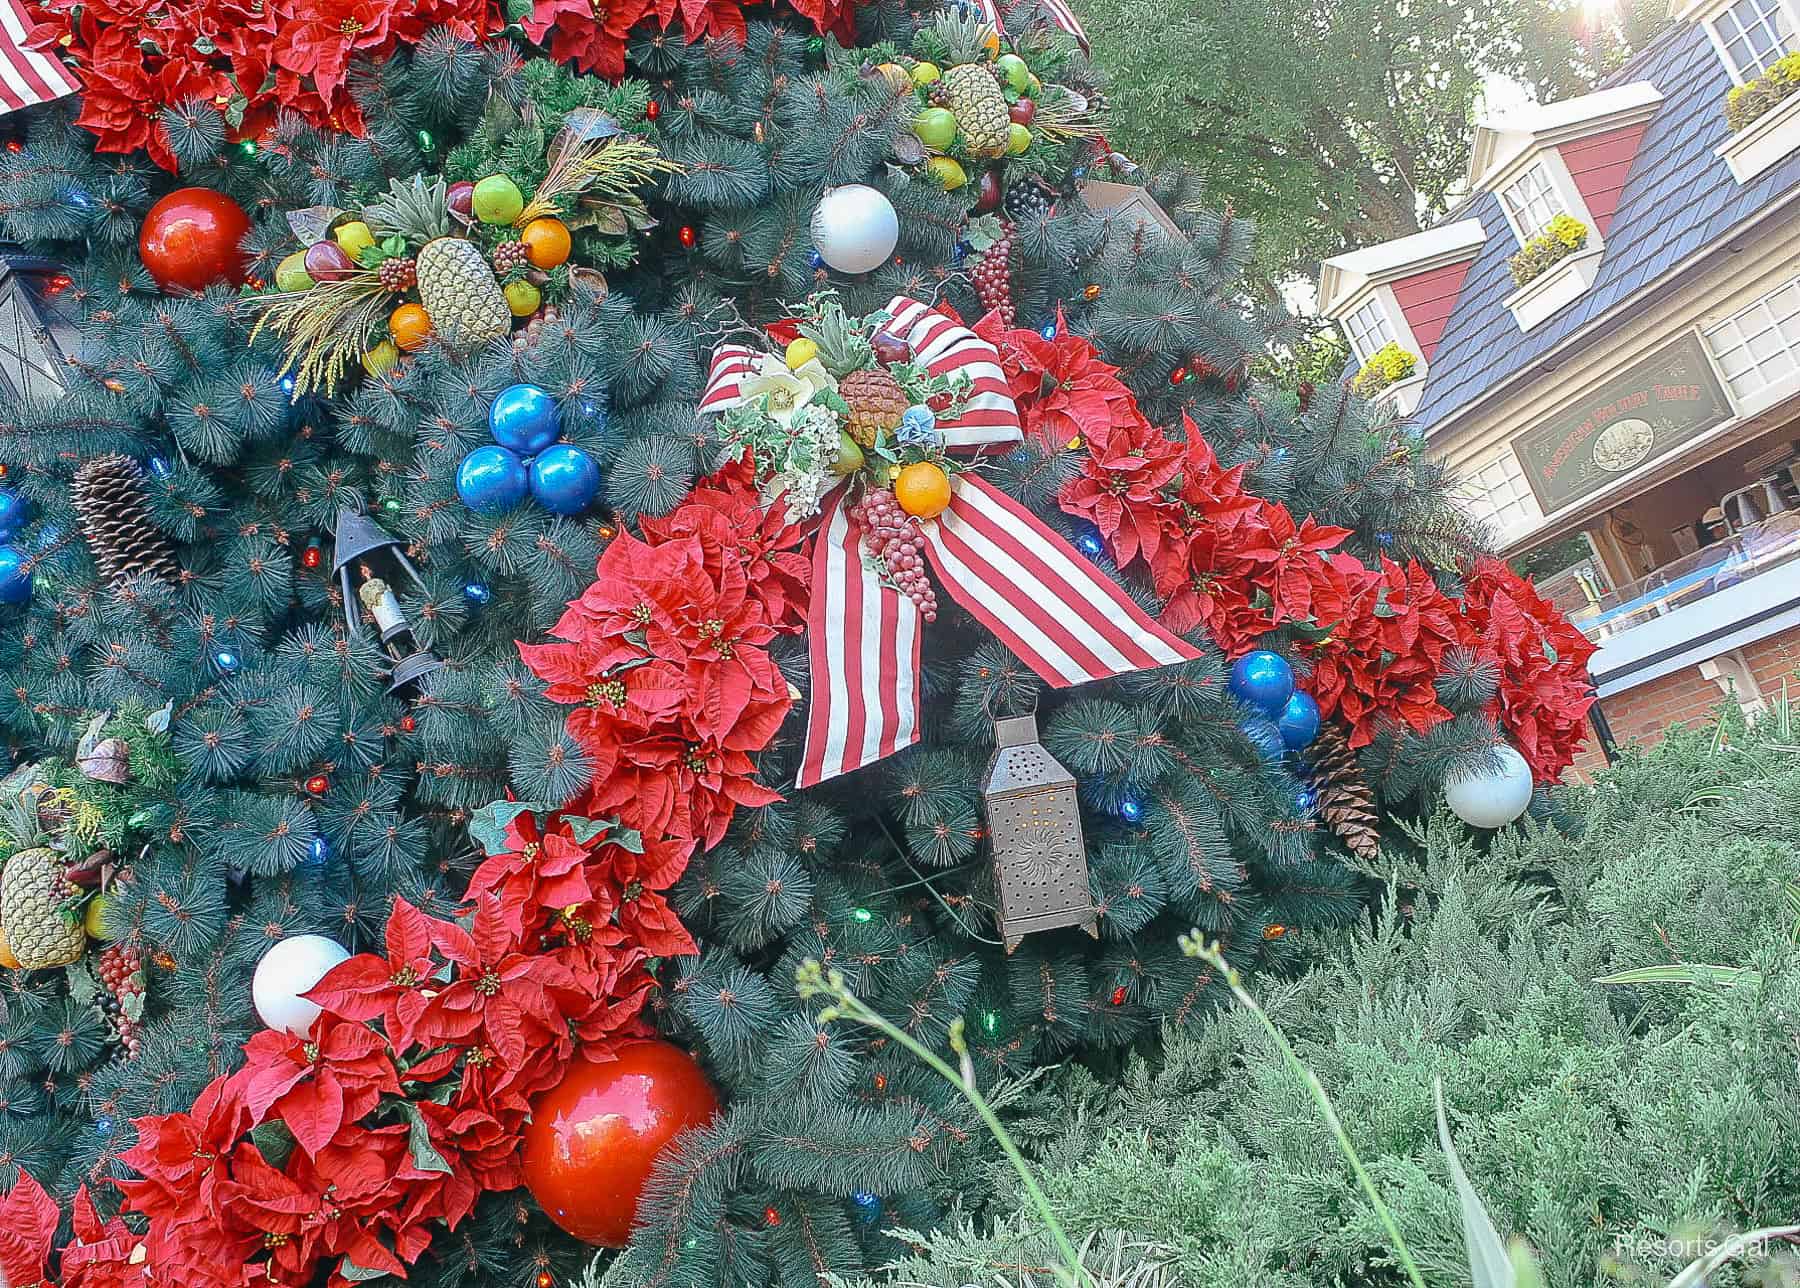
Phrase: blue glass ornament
x=1263 y=680
x=523 y=418
x=918 y=426
x=1089 y=541
x=477 y=593
x=816 y=260
x=15 y=513
x=1131 y=809
x=160 y=466
x=492 y=480
x=1048 y=330
x=318 y=850
x=868 y=1206
x=104 y=1126
x=1264 y=736
x=15 y=578
x=1299 y=721
x=227 y=662
x=564 y=479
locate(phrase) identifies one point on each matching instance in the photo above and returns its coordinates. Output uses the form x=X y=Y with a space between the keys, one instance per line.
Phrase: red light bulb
x=652 y=110
x=1118 y=996
x=771 y=1217
x=318 y=785
x=688 y=236
x=1178 y=375
x=312 y=556
x=408 y=724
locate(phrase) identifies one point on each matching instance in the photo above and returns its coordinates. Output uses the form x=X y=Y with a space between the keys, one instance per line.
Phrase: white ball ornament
x=286 y=971
x=855 y=228
x=1491 y=799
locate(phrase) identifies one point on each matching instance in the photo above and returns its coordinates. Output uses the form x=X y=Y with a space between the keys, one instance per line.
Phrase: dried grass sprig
x=323 y=327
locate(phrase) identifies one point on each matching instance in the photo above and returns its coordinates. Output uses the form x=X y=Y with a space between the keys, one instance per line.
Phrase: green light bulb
x=863 y=914
x=990 y=1020
x=247 y=147
x=426 y=142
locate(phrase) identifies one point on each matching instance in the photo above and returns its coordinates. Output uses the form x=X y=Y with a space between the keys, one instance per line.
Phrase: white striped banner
x=1063 y=618
x=947 y=348
x=27 y=77
x=1059 y=12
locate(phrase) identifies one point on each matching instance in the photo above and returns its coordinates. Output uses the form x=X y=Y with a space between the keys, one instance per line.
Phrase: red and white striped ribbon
x=1063 y=618
x=1059 y=12
x=942 y=346
x=27 y=77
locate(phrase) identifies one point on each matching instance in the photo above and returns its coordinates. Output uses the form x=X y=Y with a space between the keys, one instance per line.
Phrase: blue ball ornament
x=815 y=260
x=523 y=418
x=1299 y=721
x=1264 y=736
x=491 y=480
x=15 y=577
x=564 y=479
x=15 y=513
x=868 y=1206
x=477 y=593
x=1089 y=541
x=1263 y=680
x=1048 y=330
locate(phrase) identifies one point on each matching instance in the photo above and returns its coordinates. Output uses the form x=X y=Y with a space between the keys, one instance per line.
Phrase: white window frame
x=1367 y=341
x=1750 y=348
x=1545 y=195
x=1722 y=39
x=1517 y=511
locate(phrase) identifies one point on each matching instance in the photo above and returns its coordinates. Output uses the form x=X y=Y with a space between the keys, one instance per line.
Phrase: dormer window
x=1368 y=330
x=1531 y=202
x=1751 y=35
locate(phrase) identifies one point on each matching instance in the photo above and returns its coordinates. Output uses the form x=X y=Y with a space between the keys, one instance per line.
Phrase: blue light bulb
x=287 y=384
x=104 y=1126
x=816 y=260
x=160 y=466
x=477 y=593
x=868 y=1206
x=1131 y=809
x=318 y=850
x=1048 y=330
x=227 y=661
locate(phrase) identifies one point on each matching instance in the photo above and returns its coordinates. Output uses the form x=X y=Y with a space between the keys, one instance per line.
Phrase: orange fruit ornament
x=6 y=954
x=410 y=325
x=547 y=242
x=923 y=490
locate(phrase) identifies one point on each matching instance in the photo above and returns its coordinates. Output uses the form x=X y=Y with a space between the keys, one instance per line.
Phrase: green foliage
x=1616 y=1128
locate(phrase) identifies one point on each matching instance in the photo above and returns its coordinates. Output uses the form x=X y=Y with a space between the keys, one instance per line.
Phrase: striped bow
x=27 y=77
x=1058 y=11
x=1068 y=622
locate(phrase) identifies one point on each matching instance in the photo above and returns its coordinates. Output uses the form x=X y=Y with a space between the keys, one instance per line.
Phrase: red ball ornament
x=594 y=1137
x=190 y=240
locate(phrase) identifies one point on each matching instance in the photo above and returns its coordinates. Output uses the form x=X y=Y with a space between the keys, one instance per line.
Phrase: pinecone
x=992 y=278
x=1346 y=801
x=1027 y=199
x=115 y=518
x=508 y=256
x=399 y=274
x=877 y=404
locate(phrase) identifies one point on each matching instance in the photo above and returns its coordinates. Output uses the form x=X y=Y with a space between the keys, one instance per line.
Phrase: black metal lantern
x=37 y=325
x=365 y=551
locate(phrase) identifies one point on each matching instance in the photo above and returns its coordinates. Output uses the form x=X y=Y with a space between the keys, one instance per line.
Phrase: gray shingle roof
x=1677 y=198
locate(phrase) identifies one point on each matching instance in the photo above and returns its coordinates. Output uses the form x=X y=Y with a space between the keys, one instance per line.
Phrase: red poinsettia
x=103 y=1254
x=390 y=988
x=1386 y=651
x=317 y=1083
x=1545 y=690
x=28 y=1220
x=590 y=35
x=498 y=994
x=1120 y=489
x=1065 y=393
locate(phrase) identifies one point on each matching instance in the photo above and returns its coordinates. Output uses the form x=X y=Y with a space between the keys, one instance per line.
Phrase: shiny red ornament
x=594 y=1137
x=688 y=236
x=190 y=240
x=652 y=110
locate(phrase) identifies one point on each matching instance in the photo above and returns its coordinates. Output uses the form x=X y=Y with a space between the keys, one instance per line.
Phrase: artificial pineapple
x=877 y=402
x=456 y=286
x=970 y=89
x=33 y=891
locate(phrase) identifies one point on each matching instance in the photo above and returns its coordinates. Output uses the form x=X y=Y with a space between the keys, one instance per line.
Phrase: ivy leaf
x=274 y=1140
x=488 y=824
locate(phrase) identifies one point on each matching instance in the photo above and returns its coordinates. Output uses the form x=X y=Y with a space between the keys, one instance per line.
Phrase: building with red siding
x=1606 y=345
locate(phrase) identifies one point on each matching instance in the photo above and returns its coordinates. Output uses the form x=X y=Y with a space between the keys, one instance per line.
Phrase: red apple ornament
x=987 y=191
x=890 y=349
x=594 y=1137
x=190 y=240
x=326 y=261
x=460 y=200
x=1023 y=112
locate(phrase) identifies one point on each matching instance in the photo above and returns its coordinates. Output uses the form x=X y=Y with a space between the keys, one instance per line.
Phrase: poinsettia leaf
x=488 y=824
x=425 y=1155
x=359 y=1274
x=584 y=830
x=628 y=839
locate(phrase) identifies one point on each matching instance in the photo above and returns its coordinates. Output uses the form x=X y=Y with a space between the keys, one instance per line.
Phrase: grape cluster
x=122 y=979
x=398 y=274
x=890 y=534
x=993 y=277
x=508 y=256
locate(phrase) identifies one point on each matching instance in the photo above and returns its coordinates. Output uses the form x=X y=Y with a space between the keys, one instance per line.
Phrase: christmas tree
x=578 y=532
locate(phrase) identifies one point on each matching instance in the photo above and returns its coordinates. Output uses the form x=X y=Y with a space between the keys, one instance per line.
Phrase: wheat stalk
x=323 y=327
x=610 y=168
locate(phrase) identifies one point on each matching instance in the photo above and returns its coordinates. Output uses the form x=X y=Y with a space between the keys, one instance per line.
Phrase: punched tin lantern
x=1034 y=822
x=362 y=546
